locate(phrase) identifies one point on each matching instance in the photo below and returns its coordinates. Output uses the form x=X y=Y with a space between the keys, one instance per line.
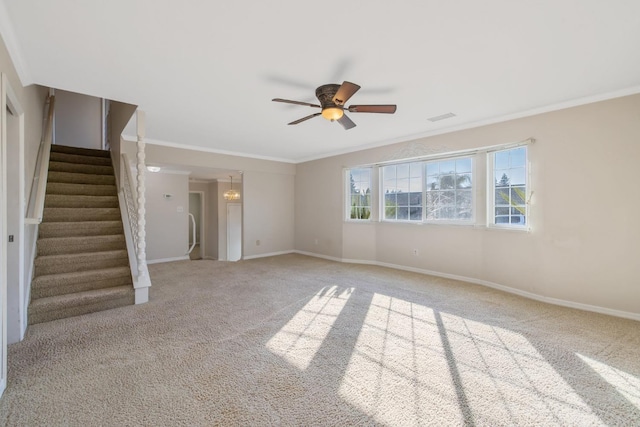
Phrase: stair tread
x=81 y=178
x=112 y=254
x=80 y=201
x=59 y=148
x=58 y=166
x=81 y=189
x=80 y=298
x=81 y=159
x=80 y=275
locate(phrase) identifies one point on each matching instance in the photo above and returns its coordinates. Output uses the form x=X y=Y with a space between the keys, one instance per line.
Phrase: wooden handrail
x=43 y=171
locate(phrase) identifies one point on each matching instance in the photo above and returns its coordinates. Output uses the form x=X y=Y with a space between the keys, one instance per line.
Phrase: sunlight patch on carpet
x=299 y=340
x=412 y=364
x=626 y=384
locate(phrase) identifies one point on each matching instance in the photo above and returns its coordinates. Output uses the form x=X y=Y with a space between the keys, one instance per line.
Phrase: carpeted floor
x=294 y=340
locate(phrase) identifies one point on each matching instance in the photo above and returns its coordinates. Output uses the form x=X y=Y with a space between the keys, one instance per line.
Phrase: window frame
x=472 y=189
x=348 y=194
x=491 y=191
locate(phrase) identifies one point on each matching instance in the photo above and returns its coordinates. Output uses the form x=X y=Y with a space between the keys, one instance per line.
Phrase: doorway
x=196 y=225
x=234 y=231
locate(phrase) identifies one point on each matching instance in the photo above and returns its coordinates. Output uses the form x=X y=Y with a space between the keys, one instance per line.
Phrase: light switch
x=180 y=209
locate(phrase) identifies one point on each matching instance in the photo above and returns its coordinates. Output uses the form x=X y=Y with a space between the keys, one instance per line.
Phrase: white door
x=234 y=231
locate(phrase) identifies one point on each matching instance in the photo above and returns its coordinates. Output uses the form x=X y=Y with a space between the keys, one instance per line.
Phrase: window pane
x=447 y=181
x=518 y=176
x=389 y=173
x=463 y=180
x=464 y=213
x=518 y=210
x=502 y=220
x=390 y=199
x=501 y=160
x=415 y=198
x=402 y=171
x=518 y=156
x=402 y=185
x=502 y=196
x=415 y=184
x=463 y=165
x=433 y=183
x=433 y=169
x=518 y=195
x=447 y=166
x=403 y=199
x=502 y=211
x=415 y=213
x=464 y=199
x=415 y=170
x=403 y=213
x=502 y=178
x=448 y=213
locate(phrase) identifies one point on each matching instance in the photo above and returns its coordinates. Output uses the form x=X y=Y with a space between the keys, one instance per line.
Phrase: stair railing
x=131 y=198
x=39 y=184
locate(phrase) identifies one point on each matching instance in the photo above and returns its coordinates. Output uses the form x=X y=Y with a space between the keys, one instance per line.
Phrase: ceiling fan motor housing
x=325 y=94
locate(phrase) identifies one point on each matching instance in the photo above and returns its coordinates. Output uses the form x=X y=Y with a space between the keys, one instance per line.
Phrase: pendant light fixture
x=231 y=194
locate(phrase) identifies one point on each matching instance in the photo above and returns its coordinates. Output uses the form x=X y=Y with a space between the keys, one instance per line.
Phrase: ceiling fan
x=332 y=98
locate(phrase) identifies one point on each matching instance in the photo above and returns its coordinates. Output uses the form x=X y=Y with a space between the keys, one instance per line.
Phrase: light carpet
x=295 y=340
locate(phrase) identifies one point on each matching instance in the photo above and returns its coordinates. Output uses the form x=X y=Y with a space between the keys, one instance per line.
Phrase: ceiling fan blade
x=388 y=109
x=345 y=92
x=346 y=122
x=288 y=101
x=304 y=118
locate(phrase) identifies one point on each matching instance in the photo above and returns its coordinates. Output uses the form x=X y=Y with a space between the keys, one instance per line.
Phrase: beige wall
x=167 y=224
x=584 y=162
x=78 y=120
x=268 y=214
x=267 y=196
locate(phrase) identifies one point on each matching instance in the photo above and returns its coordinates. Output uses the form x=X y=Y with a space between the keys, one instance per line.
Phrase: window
x=449 y=195
x=510 y=187
x=359 y=193
x=402 y=191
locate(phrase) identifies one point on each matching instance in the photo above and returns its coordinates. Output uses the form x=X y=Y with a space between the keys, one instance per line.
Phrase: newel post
x=143 y=272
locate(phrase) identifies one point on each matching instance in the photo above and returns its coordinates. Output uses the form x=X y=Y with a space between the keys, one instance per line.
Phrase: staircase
x=82 y=264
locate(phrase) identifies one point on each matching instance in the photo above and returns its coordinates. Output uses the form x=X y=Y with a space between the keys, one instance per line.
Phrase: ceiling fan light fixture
x=332 y=113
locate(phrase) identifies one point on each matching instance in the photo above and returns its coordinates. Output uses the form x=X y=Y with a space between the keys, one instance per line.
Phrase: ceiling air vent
x=441 y=117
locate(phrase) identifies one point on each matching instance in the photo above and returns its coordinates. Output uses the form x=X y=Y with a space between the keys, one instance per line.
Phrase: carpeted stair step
x=80 y=281
x=81 y=189
x=68 y=263
x=79 y=151
x=75 y=304
x=80 y=201
x=80 y=214
x=84 y=228
x=76 y=245
x=80 y=168
x=76 y=158
x=81 y=178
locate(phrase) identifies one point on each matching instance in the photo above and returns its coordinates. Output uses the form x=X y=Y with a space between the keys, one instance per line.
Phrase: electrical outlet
x=415 y=252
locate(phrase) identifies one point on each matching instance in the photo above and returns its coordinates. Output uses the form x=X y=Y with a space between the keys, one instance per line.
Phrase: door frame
x=9 y=101
x=202 y=221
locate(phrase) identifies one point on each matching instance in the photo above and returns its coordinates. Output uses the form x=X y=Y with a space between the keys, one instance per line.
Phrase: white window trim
x=491 y=194
x=346 y=200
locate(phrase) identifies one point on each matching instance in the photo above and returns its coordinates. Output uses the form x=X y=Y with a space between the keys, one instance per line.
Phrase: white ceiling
x=205 y=71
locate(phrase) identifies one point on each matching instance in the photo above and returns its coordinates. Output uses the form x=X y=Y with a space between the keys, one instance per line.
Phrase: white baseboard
x=530 y=295
x=267 y=255
x=158 y=261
